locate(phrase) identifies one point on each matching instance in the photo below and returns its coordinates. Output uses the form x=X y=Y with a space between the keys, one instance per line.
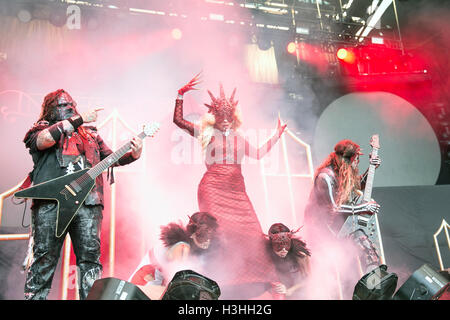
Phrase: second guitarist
x=59 y=144
x=337 y=184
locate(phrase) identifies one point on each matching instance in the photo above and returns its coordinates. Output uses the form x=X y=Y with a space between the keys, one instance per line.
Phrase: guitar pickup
x=70 y=190
x=363 y=221
x=75 y=186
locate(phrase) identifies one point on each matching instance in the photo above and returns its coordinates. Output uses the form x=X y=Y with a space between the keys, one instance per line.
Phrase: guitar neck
x=370 y=176
x=111 y=159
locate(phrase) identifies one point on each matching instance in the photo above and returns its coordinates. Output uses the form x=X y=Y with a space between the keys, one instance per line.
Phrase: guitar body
x=69 y=199
x=367 y=223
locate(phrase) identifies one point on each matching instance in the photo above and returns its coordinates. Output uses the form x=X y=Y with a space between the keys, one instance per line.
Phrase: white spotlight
x=24 y=15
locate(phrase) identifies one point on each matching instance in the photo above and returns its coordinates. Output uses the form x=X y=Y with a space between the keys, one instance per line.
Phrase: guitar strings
x=102 y=165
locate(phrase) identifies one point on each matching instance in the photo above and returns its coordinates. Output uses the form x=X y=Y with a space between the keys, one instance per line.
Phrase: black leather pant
x=84 y=232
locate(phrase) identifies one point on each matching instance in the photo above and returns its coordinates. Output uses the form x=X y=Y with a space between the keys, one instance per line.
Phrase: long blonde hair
x=207 y=126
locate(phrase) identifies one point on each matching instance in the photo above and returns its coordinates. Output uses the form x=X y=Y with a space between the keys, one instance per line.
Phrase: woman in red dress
x=244 y=269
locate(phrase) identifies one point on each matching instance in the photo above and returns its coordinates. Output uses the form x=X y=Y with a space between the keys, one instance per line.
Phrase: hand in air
x=372 y=207
x=280 y=127
x=376 y=161
x=190 y=85
x=91 y=115
x=136 y=147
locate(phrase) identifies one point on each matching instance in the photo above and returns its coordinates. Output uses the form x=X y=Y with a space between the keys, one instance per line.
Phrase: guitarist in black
x=59 y=144
x=336 y=184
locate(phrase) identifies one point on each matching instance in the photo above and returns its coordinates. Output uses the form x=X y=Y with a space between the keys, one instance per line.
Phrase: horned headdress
x=221 y=107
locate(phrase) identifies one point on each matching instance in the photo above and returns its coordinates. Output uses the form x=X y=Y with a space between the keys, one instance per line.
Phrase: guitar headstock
x=151 y=129
x=375 y=141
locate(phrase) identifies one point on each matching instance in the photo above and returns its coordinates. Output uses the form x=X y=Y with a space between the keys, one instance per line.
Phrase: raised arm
x=49 y=136
x=178 y=117
x=260 y=152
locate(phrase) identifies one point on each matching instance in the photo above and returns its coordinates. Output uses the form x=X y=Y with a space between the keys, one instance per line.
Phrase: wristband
x=56 y=130
x=75 y=121
x=180 y=97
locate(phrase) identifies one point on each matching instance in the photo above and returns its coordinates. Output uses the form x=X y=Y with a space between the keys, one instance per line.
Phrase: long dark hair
x=340 y=162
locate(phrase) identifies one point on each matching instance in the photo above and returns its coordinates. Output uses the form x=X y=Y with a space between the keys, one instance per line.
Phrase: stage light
x=177 y=34
x=24 y=15
x=302 y=30
x=346 y=55
x=377 y=40
x=217 y=17
x=58 y=17
x=342 y=53
x=424 y=284
x=291 y=47
x=115 y=289
x=190 y=285
x=378 y=284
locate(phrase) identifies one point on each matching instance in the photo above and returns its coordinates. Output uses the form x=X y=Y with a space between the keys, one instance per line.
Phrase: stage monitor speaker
x=190 y=285
x=443 y=294
x=115 y=289
x=378 y=284
x=423 y=284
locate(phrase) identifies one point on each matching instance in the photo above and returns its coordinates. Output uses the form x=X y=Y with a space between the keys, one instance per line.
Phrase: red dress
x=221 y=192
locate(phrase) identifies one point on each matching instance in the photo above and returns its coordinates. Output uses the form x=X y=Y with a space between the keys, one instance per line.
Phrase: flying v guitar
x=71 y=190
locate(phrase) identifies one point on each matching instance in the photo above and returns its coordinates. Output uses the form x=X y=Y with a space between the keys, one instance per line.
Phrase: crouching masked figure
x=181 y=248
x=291 y=258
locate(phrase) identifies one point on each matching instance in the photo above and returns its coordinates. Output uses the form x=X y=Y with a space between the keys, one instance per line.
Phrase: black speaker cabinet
x=115 y=289
x=378 y=284
x=423 y=284
x=190 y=285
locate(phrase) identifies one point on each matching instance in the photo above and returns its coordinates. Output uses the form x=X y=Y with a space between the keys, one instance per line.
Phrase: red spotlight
x=342 y=53
x=346 y=55
x=177 y=34
x=291 y=47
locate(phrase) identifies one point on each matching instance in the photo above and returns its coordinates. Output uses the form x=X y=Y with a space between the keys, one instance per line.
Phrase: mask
x=203 y=233
x=281 y=241
x=63 y=112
